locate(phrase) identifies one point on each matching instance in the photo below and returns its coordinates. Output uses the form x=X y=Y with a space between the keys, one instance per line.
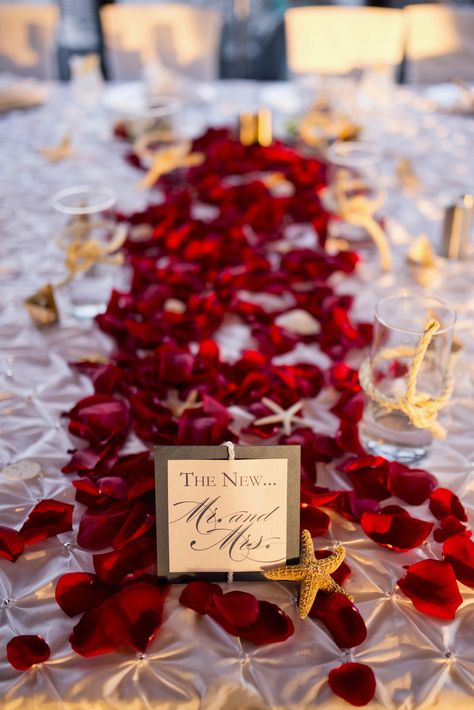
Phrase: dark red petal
x=395 y=531
x=314 y=520
x=432 y=587
x=444 y=502
x=126 y=564
x=347 y=438
x=98 y=528
x=354 y=682
x=272 y=625
x=24 y=651
x=341 y=617
x=12 y=544
x=459 y=552
x=449 y=526
x=78 y=592
x=139 y=607
x=140 y=519
x=196 y=595
x=96 y=632
x=413 y=485
x=368 y=475
x=48 y=518
x=239 y=608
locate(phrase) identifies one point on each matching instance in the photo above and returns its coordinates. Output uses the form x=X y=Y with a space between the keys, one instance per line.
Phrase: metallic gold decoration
x=256 y=128
x=167 y=159
x=285 y=417
x=407 y=176
x=422 y=261
x=177 y=406
x=313 y=574
x=42 y=307
x=320 y=126
x=59 y=152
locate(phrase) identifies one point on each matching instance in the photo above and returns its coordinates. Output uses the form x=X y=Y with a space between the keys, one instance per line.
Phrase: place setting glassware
x=89 y=239
x=407 y=378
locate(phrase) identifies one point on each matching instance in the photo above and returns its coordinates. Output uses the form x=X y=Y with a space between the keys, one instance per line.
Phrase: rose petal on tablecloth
x=196 y=595
x=77 y=592
x=368 y=475
x=49 y=517
x=354 y=682
x=271 y=626
x=314 y=520
x=341 y=618
x=431 y=585
x=12 y=543
x=98 y=631
x=396 y=531
x=412 y=485
x=98 y=528
x=24 y=651
x=240 y=609
x=444 y=502
x=449 y=526
x=139 y=610
x=126 y=564
x=99 y=419
x=459 y=552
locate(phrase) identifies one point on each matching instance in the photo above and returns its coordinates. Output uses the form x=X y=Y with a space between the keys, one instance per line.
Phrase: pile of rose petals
x=168 y=383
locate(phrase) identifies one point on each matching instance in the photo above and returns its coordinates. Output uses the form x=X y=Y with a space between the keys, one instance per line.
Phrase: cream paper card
x=222 y=516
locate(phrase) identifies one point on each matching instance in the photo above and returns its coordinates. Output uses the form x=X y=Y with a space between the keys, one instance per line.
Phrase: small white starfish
x=177 y=406
x=285 y=417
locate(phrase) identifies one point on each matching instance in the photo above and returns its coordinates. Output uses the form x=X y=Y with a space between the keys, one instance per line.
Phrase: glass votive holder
x=353 y=167
x=400 y=324
x=88 y=226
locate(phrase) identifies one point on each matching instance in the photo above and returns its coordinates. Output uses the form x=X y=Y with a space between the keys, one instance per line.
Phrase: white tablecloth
x=419 y=661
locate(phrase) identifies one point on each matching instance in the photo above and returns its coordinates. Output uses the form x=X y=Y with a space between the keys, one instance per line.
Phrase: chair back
x=336 y=40
x=183 y=38
x=440 y=43
x=28 y=41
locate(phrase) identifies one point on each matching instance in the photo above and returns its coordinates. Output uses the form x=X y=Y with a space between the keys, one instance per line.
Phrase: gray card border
x=162 y=454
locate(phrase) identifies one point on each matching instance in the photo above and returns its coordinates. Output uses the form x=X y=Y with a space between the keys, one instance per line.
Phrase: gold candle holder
x=256 y=128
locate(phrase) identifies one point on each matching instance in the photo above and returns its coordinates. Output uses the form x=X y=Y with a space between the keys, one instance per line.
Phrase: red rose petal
x=239 y=608
x=140 y=519
x=449 y=526
x=368 y=475
x=459 y=552
x=48 y=518
x=96 y=632
x=432 y=587
x=395 y=531
x=412 y=485
x=272 y=625
x=12 y=544
x=98 y=528
x=77 y=592
x=444 y=502
x=139 y=607
x=314 y=520
x=354 y=682
x=341 y=617
x=24 y=651
x=196 y=595
x=126 y=564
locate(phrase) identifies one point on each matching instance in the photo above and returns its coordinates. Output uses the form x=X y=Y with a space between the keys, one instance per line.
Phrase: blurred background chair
x=183 y=38
x=337 y=40
x=440 y=43
x=28 y=40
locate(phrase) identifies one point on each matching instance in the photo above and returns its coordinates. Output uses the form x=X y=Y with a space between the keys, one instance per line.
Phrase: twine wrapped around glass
x=90 y=239
x=407 y=378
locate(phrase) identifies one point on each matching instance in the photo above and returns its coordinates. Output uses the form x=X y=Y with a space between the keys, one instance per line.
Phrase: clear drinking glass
x=353 y=170
x=399 y=324
x=88 y=218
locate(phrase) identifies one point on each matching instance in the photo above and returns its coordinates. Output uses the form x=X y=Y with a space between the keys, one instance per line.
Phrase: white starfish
x=285 y=417
x=177 y=406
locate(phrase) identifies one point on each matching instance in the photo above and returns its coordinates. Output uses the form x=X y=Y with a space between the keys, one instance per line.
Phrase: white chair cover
x=335 y=40
x=440 y=43
x=27 y=40
x=181 y=37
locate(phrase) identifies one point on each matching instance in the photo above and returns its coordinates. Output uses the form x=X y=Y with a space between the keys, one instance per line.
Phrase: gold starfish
x=177 y=406
x=285 y=417
x=312 y=573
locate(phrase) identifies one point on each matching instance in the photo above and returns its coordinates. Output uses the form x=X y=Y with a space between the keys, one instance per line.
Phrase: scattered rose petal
x=77 y=592
x=412 y=485
x=12 y=544
x=444 y=502
x=459 y=552
x=195 y=595
x=127 y=563
x=354 y=682
x=24 y=651
x=48 y=518
x=396 y=531
x=431 y=586
x=341 y=618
